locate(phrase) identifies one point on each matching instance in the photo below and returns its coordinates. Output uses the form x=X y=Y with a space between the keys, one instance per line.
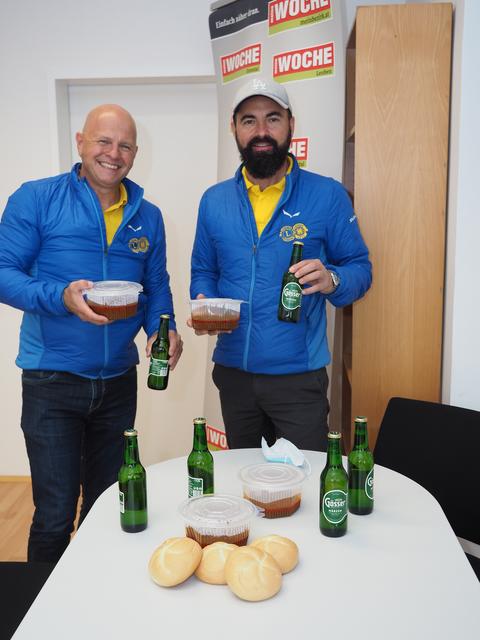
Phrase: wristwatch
x=335 y=280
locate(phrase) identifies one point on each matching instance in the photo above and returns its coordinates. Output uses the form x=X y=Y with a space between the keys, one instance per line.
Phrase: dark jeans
x=293 y=406
x=73 y=429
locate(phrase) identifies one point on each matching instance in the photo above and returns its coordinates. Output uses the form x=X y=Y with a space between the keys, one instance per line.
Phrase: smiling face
x=263 y=131
x=107 y=147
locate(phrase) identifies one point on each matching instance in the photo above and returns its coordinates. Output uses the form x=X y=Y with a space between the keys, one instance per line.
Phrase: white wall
x=62 y=39
x=461 y=371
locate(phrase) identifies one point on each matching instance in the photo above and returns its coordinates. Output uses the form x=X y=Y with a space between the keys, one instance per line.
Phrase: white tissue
x=284 y=451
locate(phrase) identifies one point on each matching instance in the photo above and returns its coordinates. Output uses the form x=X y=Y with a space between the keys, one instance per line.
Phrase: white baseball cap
x=262 y=87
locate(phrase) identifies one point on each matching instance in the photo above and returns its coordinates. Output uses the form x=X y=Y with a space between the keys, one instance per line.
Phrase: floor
x=16 y=509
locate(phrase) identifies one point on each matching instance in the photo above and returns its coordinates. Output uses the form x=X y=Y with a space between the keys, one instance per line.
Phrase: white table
x=399 y=573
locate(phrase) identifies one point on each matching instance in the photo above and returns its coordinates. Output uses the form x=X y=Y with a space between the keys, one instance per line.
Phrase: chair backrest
x=438 y=446
x=20 y=583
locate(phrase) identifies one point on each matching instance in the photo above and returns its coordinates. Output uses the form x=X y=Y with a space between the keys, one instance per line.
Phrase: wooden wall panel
x=401 y=149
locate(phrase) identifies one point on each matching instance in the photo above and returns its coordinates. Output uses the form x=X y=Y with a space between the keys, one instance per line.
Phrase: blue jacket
x=230 y=260
x=52 y=232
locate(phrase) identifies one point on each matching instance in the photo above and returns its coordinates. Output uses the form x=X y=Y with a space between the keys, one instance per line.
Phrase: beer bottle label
x=195 y=487
x=369 y=484
x=158 y=367
x=334 y=506
x=292 y=296
x=122 y=502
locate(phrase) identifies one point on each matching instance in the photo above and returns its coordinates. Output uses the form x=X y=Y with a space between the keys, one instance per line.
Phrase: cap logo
x=259 y=85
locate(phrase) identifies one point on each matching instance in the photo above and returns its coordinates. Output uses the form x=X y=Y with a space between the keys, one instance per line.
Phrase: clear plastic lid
x=116 y=287
x=273 y=476
x=216 y=304
x=114 y=291
x=218 y=511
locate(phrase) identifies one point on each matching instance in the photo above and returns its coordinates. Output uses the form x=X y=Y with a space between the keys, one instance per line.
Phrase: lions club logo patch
x=297 y=232
x=139 y=245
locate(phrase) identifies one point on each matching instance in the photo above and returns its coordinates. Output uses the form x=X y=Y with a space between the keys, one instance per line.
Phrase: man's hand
x=198 y=332
x=314 y=274
x=74 y=301
x=175 y=350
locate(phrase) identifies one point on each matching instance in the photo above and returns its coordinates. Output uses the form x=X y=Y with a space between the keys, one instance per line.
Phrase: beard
x=264 y=164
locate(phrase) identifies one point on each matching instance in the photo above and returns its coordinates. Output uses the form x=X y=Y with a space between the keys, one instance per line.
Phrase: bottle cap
x=165 y=315
x=334 y=435
x=298 y=242
x=199 y=421
x=130 y=432
x=360 y=419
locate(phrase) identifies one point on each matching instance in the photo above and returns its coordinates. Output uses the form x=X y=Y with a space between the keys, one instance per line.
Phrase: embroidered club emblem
x=139 y=245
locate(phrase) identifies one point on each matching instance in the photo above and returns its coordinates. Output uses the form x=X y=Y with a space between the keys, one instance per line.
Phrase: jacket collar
x=134 y=191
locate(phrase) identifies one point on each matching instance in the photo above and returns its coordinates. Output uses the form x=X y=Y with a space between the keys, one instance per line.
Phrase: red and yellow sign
x=290 y=14
x=240 y=63
x=299 y=148
x=301 y=64
x=216 y=439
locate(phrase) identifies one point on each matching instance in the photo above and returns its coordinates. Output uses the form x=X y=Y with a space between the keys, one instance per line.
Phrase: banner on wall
x=300 y=44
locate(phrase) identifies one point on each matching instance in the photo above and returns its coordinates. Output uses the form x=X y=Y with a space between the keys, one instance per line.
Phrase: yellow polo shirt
x=264 y=202
x=114 y=214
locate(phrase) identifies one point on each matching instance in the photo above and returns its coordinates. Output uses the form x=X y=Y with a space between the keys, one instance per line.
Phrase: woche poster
x=300 y=44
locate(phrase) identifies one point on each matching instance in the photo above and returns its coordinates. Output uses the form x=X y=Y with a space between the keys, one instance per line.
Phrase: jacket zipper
x=255 y=247
x=104 y=273
x=134 y=209
x=250 y=312
x=255 y=241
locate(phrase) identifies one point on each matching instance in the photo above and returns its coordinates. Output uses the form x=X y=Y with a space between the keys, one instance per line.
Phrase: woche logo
x=239 y=63
x=301 y=64
x=290 y=14
x=216 y=439
x=299 y=148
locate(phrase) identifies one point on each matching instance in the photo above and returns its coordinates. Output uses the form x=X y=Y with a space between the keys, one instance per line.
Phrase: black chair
x=438 y=446
x=20 y=583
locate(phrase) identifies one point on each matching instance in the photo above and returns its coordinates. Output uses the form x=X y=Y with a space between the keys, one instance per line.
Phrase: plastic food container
x=274 y=487
x=218 y=518
x=215 y=314
x=114 y=299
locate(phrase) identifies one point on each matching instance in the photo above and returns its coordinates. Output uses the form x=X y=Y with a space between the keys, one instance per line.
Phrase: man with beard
x=270 y=374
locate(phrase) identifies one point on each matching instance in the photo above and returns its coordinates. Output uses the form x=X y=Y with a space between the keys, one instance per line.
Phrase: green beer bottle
x=360 y=471
x=200 y=462
x=132 y=485
x=333 y=491
x=291 y=293
x=159 y=369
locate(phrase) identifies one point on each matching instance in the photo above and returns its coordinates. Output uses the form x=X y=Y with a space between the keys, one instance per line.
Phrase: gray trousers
x=293 y=406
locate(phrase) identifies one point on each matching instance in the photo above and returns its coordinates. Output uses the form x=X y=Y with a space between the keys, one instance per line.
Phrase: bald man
x=58 y=236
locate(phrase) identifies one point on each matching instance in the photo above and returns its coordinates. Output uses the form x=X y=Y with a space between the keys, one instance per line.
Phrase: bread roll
x=252 y=574
x=284 y=550
x=212 y=565
x=174 y=561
